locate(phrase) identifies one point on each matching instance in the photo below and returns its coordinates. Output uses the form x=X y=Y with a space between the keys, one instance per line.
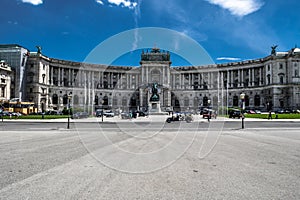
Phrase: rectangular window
x=280 y=66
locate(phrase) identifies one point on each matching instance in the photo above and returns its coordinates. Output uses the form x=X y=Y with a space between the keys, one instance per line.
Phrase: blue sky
x=229 y=30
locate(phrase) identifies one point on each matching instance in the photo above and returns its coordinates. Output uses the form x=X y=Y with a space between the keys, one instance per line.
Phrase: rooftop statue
x=155 y=55
x=39 y=49
x=273 y=52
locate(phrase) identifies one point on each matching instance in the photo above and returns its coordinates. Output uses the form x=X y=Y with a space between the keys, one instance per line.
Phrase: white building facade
x=5 y=81
x=268 y=83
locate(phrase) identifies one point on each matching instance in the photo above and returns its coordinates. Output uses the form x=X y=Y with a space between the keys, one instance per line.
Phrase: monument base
x=154 y=108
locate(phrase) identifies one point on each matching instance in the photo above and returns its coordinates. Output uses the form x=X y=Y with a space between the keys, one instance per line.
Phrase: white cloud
x=100 y=2
x=137 y=14
x=123 y=3
x=34 y=2
x=238 y=7
x=228 y=58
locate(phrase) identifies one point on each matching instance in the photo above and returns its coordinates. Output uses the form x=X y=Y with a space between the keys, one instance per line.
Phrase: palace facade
x=272 y=82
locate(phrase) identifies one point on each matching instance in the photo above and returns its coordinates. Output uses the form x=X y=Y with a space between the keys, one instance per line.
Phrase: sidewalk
x=151 y=118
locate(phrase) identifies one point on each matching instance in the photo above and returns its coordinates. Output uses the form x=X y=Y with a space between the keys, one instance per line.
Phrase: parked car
x=109 y=114
x=80 y=115
x=176 y=117
x=257 y=111
x=125 y=115
x=99 y=113
x=141 y=113
x=53 y=112
x=209 y=113
x=235 y=114
x=250 y=112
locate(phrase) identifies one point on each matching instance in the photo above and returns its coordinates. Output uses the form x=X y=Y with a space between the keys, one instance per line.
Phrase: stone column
x=208 y=80
x=102 y=79
x=147 y=74
x=227 y=85
x=232 y=78
x=249 y=76
x=193 y=81
x=180 y=81
x=169 y=98
x=51 y=73
x=141 y=97
x=121 y=80
x=143 y=74
x=260 y=76
x=168 y=75
x=70 y=78
x=62 y=76
x=242 y=77
x=221 y=79
x=127 y=81
x=59 y=76
x=252 y=74
x=163 y=76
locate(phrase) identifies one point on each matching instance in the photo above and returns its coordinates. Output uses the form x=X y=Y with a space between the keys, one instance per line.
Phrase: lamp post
x=208 y=104
x=1 y=112
x=69 y=109
x=242 y=97
x=102 y=112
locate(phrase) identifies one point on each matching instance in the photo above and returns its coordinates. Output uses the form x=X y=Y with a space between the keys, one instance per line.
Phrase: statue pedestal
x=154 y=108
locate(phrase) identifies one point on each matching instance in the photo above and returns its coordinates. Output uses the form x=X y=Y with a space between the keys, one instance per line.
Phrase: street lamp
x=102 y=113
x=208 y=103
x=242 y=97
x=69 y=109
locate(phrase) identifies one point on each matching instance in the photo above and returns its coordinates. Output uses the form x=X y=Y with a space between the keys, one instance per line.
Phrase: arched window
x=55 y=99
x=186 y=102
x=124 y=101
x=281 y=78
x=96 y=100
x=115 y=101
x=205 y=101
x=30 y=77
x=105 y=101
x=215 y=101
x=235 y=101
x=65 y=99
x=75 y=100
x=133 y=102
x=174 y=102
x=43 y=76
x=269 y=79
x=196 y=102
x=155 y=76
x=256 y=100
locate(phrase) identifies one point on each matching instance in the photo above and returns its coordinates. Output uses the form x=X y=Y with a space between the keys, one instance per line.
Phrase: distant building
x=16 y=56
x=5 y=81
x=272 y=82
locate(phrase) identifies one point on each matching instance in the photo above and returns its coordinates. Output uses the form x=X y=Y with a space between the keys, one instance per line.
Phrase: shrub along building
x=268 y=83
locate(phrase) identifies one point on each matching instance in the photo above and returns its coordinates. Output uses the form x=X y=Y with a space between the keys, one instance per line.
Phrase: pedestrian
x=270 y=115
x=209 y=116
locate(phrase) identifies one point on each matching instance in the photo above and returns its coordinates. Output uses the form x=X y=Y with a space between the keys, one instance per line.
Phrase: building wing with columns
x=268 y=83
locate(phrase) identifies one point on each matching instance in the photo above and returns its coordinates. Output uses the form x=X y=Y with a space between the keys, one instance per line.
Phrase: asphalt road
x=15 y=125
x=150 y=160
